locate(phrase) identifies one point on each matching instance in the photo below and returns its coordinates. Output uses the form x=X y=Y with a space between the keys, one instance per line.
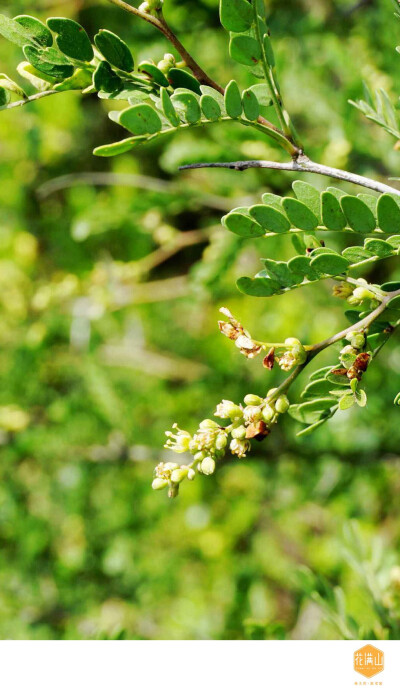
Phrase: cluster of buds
x=354 y=362
x=357 y=295
x=293 y=355
x=252 y=420
x=151 y=7
x=235 y=331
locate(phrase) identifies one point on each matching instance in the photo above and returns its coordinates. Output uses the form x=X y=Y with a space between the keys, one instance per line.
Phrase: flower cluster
x=252 y=420
x=293 y=355
x=354 y=362
x=235 y=331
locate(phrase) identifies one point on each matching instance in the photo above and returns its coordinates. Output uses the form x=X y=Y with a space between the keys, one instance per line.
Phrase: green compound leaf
x=38 y=31
x=245 y=50
x=378 y=247
x=299 y=214
x=236 y=15
x=153 y=73
x=210 y=108
x=71 y=38
x=168 y=108
x=242 y=225
x=313 y=410
x=114 y=50
x=105 y=79
x=259 y=286
x=188 y=103
x=233 y=100
x=309 y=195
x=270 y=218
x=332 y=215
x=388 y=212
x=359 y=216
x=140 y=119
x=40 y=60
x=329 y=263
x=250 y=105
x=180 y=78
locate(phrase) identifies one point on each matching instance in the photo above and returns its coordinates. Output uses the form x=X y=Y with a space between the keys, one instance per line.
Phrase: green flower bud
x=292 y=342
x=199 y=456
x=173 y=492
x=282 y=404
x=191 y=474
x=221 y=441
x=208 y=425
x=159 y=484
x=268 y=413
x=343 y=290
x=208 y=466
x=239 y=432
x=361 y=293
x=271 y=392
x=357 y=340
x=235 y=411
x=252 y=399
x=354 y=301
x=347 y=356
x=178 y=475
x=252 y=413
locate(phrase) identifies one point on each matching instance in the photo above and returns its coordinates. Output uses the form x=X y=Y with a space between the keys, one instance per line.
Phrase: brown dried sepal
x=268 y=361
x=257 y=430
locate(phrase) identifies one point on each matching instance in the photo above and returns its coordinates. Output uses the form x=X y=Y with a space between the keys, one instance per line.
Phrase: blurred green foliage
x=103 y=347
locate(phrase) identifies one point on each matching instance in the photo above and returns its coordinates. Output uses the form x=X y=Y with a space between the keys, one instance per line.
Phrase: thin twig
x=302 y=164
x=32 y=98
x=160 y=23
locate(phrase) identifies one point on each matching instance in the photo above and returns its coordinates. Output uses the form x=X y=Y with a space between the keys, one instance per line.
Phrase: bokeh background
x=110 y=282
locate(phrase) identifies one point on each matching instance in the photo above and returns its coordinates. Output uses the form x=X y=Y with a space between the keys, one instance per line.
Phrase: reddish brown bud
x=268 y=361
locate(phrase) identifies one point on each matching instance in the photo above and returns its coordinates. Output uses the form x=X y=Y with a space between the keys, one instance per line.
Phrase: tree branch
x=301 y=164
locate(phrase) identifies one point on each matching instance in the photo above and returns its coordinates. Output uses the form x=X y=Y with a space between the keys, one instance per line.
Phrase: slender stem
x=160 y=23
x=32 y=98
x=301 y=164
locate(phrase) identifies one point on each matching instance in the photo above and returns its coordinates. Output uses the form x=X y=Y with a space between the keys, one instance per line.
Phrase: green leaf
x=359 y=216
x=270 y=218
x=361 y=398
x=309 y=195
x=370 y=201
x=332 y=215
x=316 y=389
x=281 y=273
x=313 y=410
x=153 y=73
x=81 y=79
x=71 y=38
x=347 y=401
x=105 y=79
x=320 y=373
x=111 y=149
x=115 y=51
x=210 y=108
x=242 y=225
x=180 y=78
x=378 y=247
x=262 y=93
x=4 y=96
x=37 y=58
x=301 y=264
x=11 y=86
x=388 y=214
x=338 y=193
x=250 y=105
x=299 y=214
x=338 y=379
x=236 y=15
x=329 y=263
x=140 y=119
x=233 y=100
x=21 y=33
x=269 y=52
x=39 y=80
x=355 y=254
x=36 y=29
x=259 y=286
x=168 y=108
x=245 y=50
x=188 y=103
x=312 y=427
